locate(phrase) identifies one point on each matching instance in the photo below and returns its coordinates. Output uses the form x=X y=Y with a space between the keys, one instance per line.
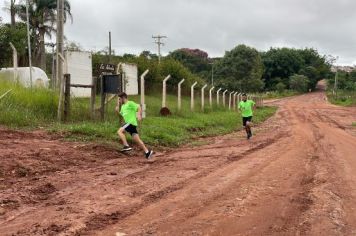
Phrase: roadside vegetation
x=345 y=92
x=276 y=73
x=26 y=108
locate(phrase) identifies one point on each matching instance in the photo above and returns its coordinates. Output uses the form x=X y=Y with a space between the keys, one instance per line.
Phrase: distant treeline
x=241 y=69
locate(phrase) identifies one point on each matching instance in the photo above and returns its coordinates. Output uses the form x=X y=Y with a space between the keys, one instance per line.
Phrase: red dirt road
x=297 y=176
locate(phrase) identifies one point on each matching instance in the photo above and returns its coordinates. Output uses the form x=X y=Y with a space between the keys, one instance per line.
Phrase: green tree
x=11 y=8
x=149 y=55
x=285 y=62
x=299 y=83
x=17 y=36
x=240 y=69
x=196 y=60
x=280 y=87
x=281 y=63
x=42 y=21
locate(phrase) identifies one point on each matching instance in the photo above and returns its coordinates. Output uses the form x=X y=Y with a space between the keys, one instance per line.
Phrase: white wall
x=130 y=72
x=79 y=65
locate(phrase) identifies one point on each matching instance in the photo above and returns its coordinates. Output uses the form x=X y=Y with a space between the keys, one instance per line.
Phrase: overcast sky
x=215 y=25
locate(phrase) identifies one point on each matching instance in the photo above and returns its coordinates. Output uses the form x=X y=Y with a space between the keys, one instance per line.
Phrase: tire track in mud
x=319 y=198
x=104 y=220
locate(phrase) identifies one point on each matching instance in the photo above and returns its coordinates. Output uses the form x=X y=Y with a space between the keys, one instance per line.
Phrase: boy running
x=130 y=111
x=246 y=106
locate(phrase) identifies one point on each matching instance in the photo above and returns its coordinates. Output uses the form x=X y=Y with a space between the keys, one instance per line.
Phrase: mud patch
x=21 y=171
x=9 y=204
x=307 y=180
x=43 y=192
x=303 y=201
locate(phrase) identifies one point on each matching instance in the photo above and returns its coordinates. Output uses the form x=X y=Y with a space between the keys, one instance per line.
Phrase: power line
x=159 y=44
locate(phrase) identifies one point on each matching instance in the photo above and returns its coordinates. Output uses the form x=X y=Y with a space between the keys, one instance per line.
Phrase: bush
x=299 y=83
x=280 y=87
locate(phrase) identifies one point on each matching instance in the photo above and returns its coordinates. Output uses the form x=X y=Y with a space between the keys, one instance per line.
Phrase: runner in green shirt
x=130 y=111
x=246 y=107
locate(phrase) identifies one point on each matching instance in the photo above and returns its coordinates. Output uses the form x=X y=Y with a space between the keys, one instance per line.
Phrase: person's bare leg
x=121 y=133
x=138 y=140
x=248 y=127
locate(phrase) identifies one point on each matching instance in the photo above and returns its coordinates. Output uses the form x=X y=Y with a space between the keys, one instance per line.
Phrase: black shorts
x=130 y=129
x=245 y=119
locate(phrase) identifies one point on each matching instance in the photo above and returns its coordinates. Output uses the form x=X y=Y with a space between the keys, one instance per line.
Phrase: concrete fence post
x=224 y=94
x=203 y=97
x=217 y=96
x=143 y=104
x=180 y=94
x=164 y=91
x=238 y=98
x=192 y=96
x=234 y=102
x=211 y=96
x=230 y=95
x=14 y=61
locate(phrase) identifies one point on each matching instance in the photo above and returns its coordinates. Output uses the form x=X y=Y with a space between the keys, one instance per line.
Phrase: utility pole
x=159 y=44
x=109 y=47
x=29 y=41
x=59 y=63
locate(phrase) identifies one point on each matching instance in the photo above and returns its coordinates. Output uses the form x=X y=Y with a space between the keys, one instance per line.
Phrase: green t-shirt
x=246 y=108
x=128 y=111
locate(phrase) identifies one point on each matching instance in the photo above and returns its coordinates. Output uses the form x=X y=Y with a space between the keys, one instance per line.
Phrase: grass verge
x=33 y=108
x=165 y=131
x=343 y=98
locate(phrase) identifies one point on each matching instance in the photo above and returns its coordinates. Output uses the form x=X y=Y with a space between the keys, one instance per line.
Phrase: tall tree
x=17 y=36
x=42 y=20
x=11 y=8
x=240 y=69
x=195 y=60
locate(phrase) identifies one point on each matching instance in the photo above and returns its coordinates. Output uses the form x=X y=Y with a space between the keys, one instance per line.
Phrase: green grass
x=354 y=124
x=343 y=98
x=26 y=108
x=165 y=131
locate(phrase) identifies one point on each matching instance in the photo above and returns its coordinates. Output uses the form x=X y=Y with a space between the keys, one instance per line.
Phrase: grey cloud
x=217 y=26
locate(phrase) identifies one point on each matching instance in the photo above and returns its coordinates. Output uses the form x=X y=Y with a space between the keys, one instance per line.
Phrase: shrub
x=299 y=83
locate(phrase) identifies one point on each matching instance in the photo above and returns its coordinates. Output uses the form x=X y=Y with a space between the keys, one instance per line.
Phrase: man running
x=246 y=106
x=130 y=111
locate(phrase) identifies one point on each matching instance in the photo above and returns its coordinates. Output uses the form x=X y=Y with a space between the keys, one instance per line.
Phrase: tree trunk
x=42 y=51
x=12 y=13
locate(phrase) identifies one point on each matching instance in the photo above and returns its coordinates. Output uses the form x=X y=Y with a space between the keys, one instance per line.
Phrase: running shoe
x=126 y=149
x=149 y=154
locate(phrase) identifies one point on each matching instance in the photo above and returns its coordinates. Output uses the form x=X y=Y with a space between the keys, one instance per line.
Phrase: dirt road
x=297 y=176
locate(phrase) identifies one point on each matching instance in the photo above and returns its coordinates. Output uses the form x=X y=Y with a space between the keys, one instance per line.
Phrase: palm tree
x=10 y=7
x=42 y=21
